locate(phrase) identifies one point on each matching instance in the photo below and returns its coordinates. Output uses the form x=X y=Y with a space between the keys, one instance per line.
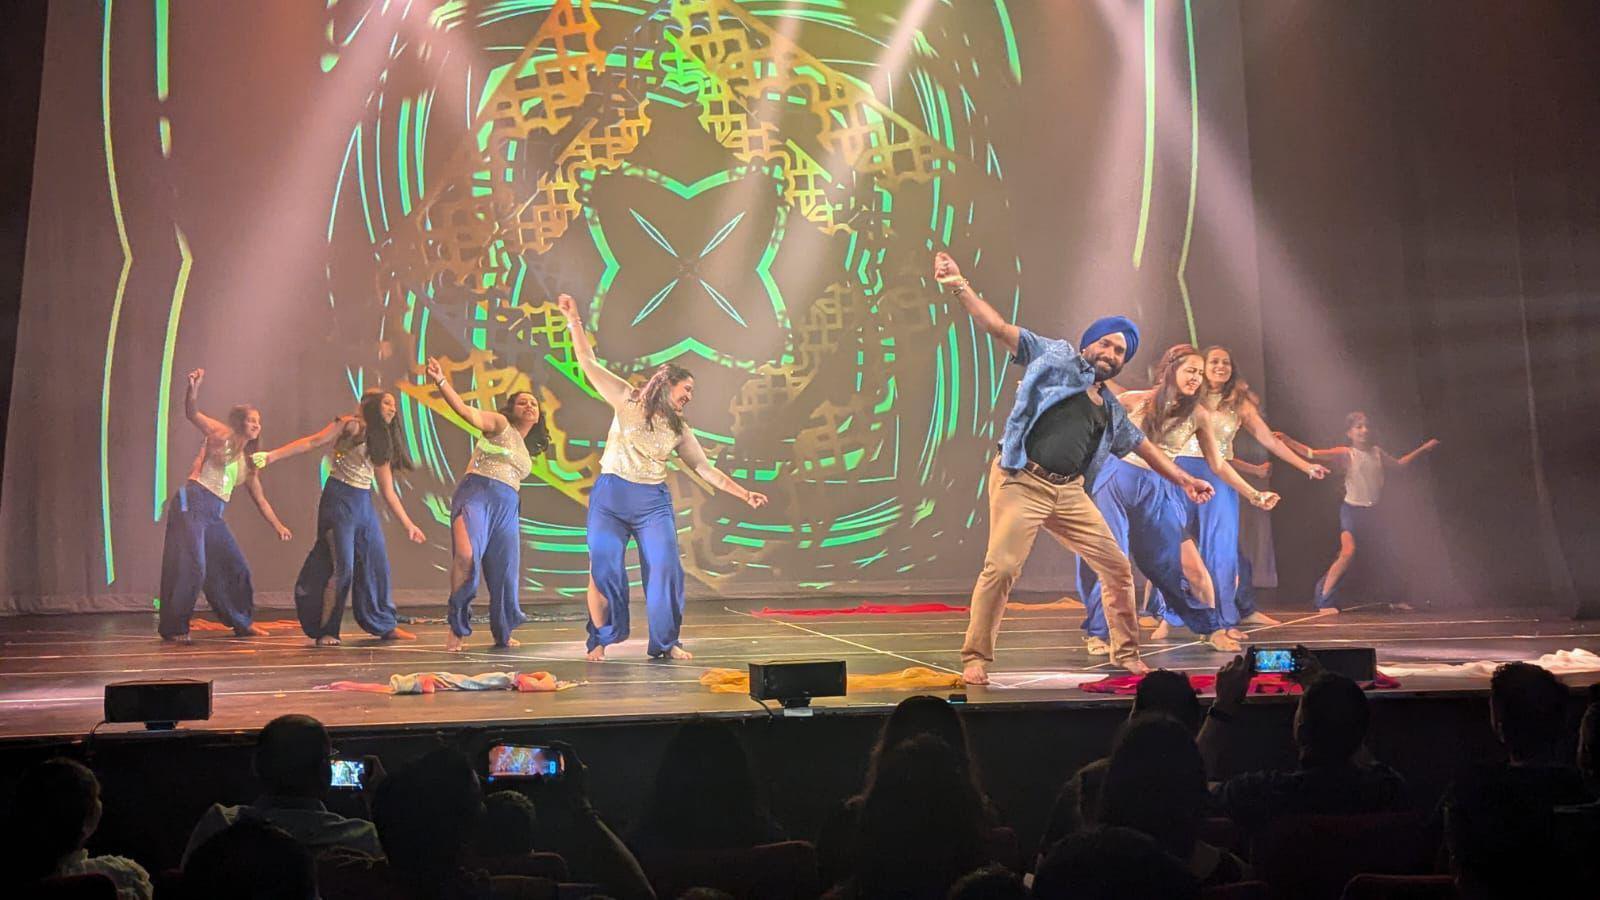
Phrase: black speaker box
x=797 y=680
x=158 y=703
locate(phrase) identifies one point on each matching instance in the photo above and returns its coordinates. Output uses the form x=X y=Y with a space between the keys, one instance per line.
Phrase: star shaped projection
x=688 y=269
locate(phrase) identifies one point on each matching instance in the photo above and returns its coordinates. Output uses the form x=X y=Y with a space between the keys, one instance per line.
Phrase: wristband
x=954 y=287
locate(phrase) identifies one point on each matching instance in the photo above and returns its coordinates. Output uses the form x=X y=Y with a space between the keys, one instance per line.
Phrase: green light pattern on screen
x=164 y=387
x=1149 y=129
x=116 y=302
x=1194 y=173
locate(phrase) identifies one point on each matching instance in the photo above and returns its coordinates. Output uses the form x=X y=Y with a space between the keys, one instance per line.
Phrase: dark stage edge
x=54 y=667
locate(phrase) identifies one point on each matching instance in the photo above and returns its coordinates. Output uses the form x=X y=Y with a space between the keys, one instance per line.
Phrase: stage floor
x=54 y=667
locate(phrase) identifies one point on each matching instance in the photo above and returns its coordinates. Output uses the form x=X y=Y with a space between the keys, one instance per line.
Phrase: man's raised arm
x=988 y=318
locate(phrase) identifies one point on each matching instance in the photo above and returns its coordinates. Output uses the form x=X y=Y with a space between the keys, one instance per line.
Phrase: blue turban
x=1111 y=325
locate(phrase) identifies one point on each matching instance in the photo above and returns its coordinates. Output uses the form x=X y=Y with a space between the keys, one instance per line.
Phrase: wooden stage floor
x=53 y=668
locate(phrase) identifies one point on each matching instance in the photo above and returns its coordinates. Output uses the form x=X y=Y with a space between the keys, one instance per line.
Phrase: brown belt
x=1038 y=471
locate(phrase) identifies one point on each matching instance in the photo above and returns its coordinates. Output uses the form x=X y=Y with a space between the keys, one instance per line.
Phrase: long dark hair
x=656 y=396
x=1234 y=391
x=386 y=441
x=923 y=714
x=236 y=421
x=1167 y=406
x=537 y=440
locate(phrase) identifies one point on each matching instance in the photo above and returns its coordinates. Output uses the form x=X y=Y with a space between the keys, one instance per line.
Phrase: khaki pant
x=1019 y=505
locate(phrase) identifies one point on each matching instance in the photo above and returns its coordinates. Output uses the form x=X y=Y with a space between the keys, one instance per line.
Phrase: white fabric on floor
x=1561 y=662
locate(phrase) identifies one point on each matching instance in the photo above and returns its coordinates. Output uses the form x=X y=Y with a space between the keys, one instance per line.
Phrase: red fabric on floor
x=1260 y=684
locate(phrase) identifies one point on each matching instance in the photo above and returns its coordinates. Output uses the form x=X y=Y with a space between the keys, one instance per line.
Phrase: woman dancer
x=485 y=513
x=1215 y=525
x=1359 y=520
x=1147 y=518
x=200 y=553
x=350 y=560
x=630 y=499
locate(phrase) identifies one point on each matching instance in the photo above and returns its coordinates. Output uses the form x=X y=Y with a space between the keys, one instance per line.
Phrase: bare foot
x=250 y=631
x=1162 y=632
x=1220 y=642
x=679 y=653
x=1096 y=646
x=510 y=643
x=1328 y=611
x=1136 y=666
x=1259 y=618
x=177 y=638
x=327 y=641
x=398 y=634
x=455 y=642
x=598 y=654
x=1235 y=633
x=975 y=672
x=1148 y=621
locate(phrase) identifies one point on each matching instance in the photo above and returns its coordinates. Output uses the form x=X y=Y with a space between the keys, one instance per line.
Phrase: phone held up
x=528 y=762
x=348 y=774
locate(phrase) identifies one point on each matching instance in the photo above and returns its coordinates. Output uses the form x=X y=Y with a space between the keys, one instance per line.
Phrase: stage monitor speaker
x=1359 y=664
x=158 y=704
x=795 y=682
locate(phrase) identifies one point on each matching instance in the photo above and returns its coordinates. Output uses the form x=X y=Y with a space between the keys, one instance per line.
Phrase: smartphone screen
x=1275 y=661
x=348 y=773
x=524 y=761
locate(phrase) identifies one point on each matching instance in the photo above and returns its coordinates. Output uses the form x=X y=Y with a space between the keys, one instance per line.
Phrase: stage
x=54 y=667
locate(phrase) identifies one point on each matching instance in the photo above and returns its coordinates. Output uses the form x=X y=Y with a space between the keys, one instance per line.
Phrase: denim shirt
x=1054 y=371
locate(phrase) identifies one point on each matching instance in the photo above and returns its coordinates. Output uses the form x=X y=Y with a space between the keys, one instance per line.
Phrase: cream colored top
x=637 y=452
x=1172 y=443
x=349 y=462
x=1225 y=424
x=1363 y=480
x=502 y=456
x=220 y=467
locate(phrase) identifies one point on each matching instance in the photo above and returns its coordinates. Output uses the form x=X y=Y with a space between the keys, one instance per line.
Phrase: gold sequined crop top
x=350 y=463
x=1224 y=424
x=220 y=467
x=502 y=456
x=636 y=452
x=1172 y=443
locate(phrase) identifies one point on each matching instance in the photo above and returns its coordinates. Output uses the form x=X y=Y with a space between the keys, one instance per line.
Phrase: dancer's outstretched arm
x=208 y=426
x=252 y=483
x=1426 y=447
x=1339 y=454
x=610 y=385
x=1225 y=471
x=1266 y=437
x=690 y=451
x=316 y=440
x=988 y=318
x=485 y=420
x=385 y=475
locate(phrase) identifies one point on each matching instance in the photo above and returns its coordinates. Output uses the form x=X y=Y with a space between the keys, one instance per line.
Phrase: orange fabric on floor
x=268 y=627
x=734 y=681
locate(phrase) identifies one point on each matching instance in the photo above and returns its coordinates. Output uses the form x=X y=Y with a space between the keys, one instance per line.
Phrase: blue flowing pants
x=492 y=515
x=1143 y=511
x=1215 y=528
x=350 y=563
x=1363 y=523
x=200 y=554
x=620 y=510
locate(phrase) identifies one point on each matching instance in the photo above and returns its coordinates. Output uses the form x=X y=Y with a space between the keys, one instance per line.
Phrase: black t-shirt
x=1064 y=437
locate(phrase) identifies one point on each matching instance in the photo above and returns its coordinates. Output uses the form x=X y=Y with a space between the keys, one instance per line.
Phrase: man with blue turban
x=1063 y=426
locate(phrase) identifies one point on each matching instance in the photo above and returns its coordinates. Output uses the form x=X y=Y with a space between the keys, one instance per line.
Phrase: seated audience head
x=294 y=757
x=1330 y=724
x=1156 y=784
x=507 y=827
x=251 y=860
x=921 y=822
x=922 y=714
x=1111 y=863
x=56 y=808
x=989 y=883
x=426 y=812
x=1170 y=693
x=1528 y=710
x=705 y=794
x=1589 y=740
